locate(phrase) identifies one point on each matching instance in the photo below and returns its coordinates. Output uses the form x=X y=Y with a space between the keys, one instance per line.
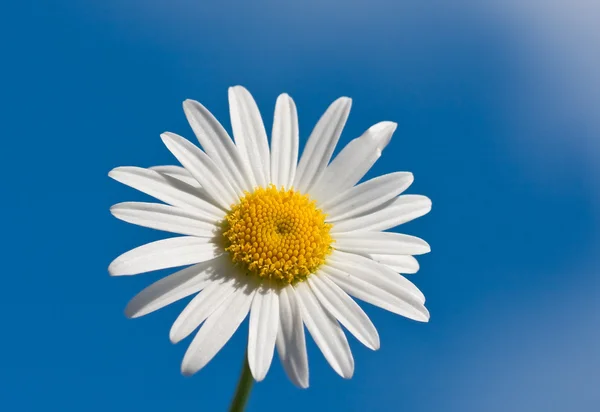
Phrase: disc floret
x=277 y=234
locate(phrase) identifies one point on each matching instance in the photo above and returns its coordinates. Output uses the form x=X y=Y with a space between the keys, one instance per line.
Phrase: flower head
x=282 y=240
x=277 y=234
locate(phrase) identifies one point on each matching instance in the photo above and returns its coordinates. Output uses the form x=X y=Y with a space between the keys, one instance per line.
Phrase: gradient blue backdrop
x=497 y=112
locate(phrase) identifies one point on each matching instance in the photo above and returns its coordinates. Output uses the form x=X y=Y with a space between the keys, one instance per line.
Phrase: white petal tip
x=301 y=384
x=346 y=101
x=424 y=317
x=118 y=171
x=347 y=374
x=259 y=374
x=259 y=377
x=375 y=345
x=187 y=371
x=387 y=126
x=119 y=268
x=421 y=247
x=113 y=269
x=187 y=366
x=166 y=137
x=407 y=179
x=133 y=310
x=131 y=314
x=237 y=89
x=384 y=134
x=190 y=105
x=174 y=337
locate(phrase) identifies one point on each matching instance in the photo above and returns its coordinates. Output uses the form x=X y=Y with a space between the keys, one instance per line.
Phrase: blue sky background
x=497 y=107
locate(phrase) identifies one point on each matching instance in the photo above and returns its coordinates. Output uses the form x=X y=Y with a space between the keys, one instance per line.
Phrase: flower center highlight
x=277 y=234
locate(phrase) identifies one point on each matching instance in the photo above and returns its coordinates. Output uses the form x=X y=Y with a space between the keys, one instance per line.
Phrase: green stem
x=244 y=386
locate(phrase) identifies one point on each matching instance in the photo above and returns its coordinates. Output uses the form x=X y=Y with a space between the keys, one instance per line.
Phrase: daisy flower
x=281 y=241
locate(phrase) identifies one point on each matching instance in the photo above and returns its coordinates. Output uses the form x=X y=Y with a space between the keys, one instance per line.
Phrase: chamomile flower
x=281 y=241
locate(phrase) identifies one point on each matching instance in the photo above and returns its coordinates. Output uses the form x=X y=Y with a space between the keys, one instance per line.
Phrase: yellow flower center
x=277 y=234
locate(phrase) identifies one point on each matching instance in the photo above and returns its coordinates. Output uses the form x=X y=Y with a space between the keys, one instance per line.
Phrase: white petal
x=166 y=253
x=401 y=210
x=204 y=170
x=321 y=144
x=326 y=332
x=169 y=190
x=264 y=322
x=366 y=196
x=173 y=288
x=378 y=296
x=249 y=133
x=353 y=162
x=399 y=263
x=291 y=343
x=219 y=146
x=164 y=217
x=177 y=172
x=204 y=304
x=362 y=242
x=376 y=293
x=284 y=142
x=345 y=309
x=375 y=273
x=217 y=330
